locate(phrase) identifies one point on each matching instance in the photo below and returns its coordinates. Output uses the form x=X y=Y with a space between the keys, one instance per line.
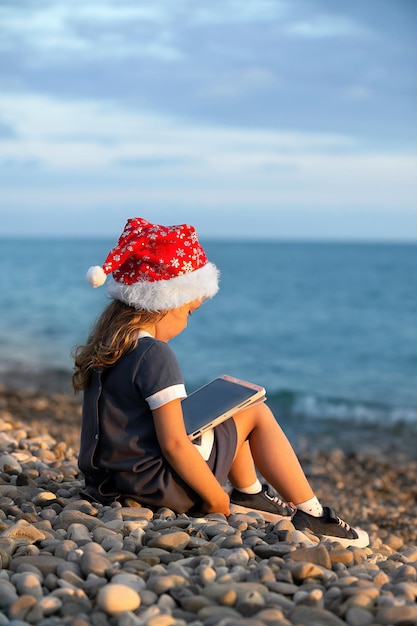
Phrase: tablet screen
x=220 y=397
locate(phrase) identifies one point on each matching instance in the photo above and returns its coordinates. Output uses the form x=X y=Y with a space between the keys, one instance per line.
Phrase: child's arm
x=185 y=459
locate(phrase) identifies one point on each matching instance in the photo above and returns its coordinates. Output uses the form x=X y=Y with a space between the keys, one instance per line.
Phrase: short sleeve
x=159 y=376
x=158 y=399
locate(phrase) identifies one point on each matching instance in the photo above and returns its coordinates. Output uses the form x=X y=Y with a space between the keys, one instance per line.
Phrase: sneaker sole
x=361 y=542
x=268 y=517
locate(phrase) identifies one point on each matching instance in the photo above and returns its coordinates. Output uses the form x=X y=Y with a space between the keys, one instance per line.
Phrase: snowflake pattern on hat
x=151 y=264
x=151 y=252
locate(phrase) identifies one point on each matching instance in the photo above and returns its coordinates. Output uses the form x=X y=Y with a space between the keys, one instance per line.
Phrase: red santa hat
x=156 y=268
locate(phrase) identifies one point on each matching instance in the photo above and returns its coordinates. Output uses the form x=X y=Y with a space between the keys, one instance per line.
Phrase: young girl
x=134 y=446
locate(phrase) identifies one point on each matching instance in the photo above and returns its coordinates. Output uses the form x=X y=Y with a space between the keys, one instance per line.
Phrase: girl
x=134 y=446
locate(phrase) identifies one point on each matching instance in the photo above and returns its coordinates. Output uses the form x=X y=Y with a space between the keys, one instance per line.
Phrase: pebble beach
x=65 y=560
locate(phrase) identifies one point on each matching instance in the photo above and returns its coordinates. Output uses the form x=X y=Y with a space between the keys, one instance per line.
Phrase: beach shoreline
x=66 y=561
x=371 y=483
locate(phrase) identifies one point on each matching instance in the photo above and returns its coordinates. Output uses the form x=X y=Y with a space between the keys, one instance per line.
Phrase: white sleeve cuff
x=164 y=396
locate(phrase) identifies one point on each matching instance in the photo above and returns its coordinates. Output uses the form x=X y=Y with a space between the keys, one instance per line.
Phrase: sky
x=287 y=119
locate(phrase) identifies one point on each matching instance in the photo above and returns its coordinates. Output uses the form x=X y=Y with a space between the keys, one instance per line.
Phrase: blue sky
x=261 y=118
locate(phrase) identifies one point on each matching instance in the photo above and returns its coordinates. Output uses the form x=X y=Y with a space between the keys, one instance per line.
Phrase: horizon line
x=227 y=239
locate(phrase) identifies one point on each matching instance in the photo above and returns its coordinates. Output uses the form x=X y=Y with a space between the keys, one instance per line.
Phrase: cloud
x=45 y=28
x=90 y=135
x=235 y=104
x=238 y=84
x=235 y=11
x=359 y=93
x=325 y=26
x=6 y=131
x=267 y=63
x=85 y=29
x=86 y=154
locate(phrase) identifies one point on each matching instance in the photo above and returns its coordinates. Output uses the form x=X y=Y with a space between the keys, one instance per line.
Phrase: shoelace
x=343 y=524
x=274 y=499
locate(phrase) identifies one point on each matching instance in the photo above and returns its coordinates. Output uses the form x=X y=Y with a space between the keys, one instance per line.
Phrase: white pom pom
x=96 y=276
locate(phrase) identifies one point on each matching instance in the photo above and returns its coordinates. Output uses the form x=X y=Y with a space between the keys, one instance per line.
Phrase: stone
x=129 y=580
x=79 y=534
x=162 y=620
x=95 y=563
x=394 y=541
x=162 y=583
x=173 y=540
x=406 y=615
x=28 y=583
x=115 y=598
x=250 y=603
x=22 y=530
x=355 y=616
x=282 y=587
x=341 y=555
x=234 y=556
x=45 y=563
x=405 y=573
x=44 y=498
x=21 y=607
x=218 y=613
x=266 y=551
x=317 y=555
x=50 y=605
x=310 y=597
x=9 y=462
x=410 y=554
x=307 y=615
x=68 y=517
x=193 y=603
x=305 y=538
x=304 y=570
x=207 y=575
x=8 y=594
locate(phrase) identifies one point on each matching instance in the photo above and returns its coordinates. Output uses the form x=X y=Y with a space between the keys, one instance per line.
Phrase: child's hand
x=186 y=460
x=220 y=503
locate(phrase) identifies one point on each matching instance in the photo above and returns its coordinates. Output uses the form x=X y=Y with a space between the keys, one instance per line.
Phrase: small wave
x=307 y=405
x=318 y=422
x=286 y=404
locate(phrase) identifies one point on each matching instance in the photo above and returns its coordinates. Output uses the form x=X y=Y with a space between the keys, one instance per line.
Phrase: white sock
x=256 y=487
x=312 y=507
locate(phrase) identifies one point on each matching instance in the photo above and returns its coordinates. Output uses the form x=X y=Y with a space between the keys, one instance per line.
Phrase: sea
x=329 y=329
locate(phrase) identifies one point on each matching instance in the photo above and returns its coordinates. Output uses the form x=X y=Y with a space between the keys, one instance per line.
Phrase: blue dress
x=119 y=452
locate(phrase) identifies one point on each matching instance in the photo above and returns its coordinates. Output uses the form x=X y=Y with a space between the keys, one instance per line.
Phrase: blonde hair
x=113 y=335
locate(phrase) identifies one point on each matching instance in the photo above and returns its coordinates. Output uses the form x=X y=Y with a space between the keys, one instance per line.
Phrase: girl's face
x=175 y=320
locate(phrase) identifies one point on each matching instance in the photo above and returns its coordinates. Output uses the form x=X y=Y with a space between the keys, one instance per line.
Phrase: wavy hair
x=113 y=335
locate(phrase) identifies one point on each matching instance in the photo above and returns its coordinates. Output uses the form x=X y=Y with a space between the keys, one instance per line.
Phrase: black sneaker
x=266 y=503
x=329 y=526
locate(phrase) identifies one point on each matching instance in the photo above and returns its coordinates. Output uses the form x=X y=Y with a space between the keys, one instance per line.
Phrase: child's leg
x=272 y=453
x=243 y=473
x=277 y=462
x=248 y=492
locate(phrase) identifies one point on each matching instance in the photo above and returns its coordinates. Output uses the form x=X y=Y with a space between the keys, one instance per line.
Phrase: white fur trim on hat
x=163 y=295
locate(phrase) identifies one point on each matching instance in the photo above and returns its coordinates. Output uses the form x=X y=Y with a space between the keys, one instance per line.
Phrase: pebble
x=115 y=598
x=172 y=540
x=66 y=560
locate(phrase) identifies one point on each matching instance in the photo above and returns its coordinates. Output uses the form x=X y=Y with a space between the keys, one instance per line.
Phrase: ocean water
x=329 y=329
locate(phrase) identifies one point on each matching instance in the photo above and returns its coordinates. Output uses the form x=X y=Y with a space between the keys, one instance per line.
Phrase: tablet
x=216 y=401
